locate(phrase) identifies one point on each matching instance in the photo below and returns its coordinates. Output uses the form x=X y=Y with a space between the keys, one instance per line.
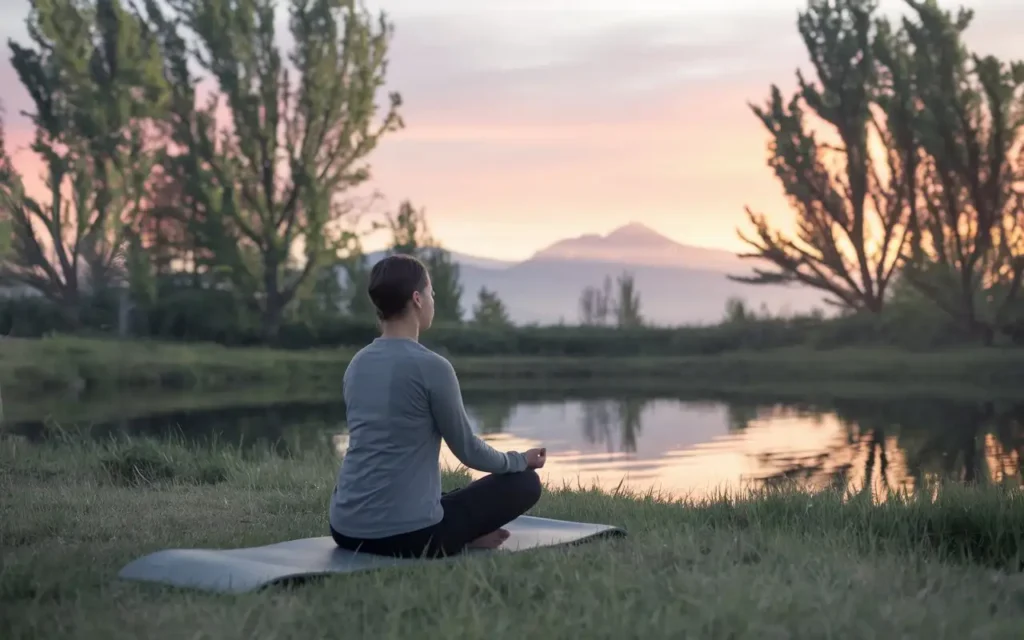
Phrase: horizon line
x=382 y=245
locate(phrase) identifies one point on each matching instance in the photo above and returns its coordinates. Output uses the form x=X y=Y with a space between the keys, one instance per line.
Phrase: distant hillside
x=638 y=244
x=678 y=284
x=548 y=291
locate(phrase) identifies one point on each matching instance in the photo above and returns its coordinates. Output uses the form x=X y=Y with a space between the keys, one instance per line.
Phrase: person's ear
x=417 y=299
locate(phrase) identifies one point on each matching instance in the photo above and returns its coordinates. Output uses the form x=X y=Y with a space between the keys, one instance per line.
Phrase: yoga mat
x=252 y=568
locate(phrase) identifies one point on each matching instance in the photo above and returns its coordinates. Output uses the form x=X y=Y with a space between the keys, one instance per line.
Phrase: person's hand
x=535 y=458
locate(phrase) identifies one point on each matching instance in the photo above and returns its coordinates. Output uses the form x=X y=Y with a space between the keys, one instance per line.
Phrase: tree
x=627 y=303
x=599 y=305
x=266 y=192
x=94 y=76
x=357 y=275
x=6 y=218
x=411 y=236
x=852 y=209
x=490 y=311
x=588 y=306
x=736 y=311
x=968 y=249
x=595 y=303
x=605 y=304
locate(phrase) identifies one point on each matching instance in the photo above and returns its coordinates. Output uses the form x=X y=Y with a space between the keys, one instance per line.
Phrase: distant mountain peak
x=637 y=244
x=634 y=231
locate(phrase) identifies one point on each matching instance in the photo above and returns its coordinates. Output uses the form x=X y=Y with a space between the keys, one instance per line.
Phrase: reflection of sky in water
x=669 y=445
x=682 y=449
x=692 y=449
x=677 y=447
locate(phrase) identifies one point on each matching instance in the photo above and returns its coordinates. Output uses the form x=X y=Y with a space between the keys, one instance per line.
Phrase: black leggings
x=483 y=506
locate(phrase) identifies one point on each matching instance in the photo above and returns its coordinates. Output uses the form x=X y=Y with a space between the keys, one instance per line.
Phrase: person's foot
x=492 y=540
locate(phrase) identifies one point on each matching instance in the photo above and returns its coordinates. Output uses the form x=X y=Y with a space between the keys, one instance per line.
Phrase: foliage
x=627 y=302
x=490 y=311
x=411 y=236
x=268 y=192
x=927 y=140
x=596 y=303
x=204 y=315
x=618 y=303
x=232 y=220
x=968 y=255
x=93 y=73
x=839 y=212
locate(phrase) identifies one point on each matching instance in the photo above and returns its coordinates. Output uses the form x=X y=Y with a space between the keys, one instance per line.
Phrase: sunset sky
x=531 y=120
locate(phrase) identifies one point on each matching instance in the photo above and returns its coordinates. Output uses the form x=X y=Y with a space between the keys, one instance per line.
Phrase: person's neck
x=403 y=329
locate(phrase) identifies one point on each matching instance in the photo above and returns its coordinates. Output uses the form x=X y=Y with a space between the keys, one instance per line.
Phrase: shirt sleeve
x=451 y=420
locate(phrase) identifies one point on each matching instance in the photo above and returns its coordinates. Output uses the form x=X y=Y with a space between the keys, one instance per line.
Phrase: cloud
x=530 y=120
x=454 y=74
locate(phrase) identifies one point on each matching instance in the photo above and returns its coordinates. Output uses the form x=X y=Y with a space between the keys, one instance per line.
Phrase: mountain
x=678 y=284
x=464 y=259
x=638 y=244
x=548 y=291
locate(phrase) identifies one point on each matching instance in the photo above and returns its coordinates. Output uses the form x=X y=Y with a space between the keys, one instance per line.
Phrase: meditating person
x=401 y=400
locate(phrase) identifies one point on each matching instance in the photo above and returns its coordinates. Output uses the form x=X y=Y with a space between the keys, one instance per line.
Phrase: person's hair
x=392 y=283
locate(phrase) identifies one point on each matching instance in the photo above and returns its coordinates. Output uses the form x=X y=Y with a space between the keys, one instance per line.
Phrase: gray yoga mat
x=248 y=569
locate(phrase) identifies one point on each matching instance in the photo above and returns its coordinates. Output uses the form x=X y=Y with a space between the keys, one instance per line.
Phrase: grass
x=775 y=564
x=76 y=367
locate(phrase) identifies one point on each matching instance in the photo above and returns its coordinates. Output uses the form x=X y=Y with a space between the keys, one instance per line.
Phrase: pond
x=683 y=446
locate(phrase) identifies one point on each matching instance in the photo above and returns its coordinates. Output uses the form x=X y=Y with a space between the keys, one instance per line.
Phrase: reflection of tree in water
x=597 y=423
x=940 y=440
x=492 y=417
x=739 y=415
x=602 y=419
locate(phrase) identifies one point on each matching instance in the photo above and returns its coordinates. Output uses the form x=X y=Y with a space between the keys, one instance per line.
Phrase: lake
x=684 y=446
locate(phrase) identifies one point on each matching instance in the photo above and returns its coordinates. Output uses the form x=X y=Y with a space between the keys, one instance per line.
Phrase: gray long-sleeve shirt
x=401 y=399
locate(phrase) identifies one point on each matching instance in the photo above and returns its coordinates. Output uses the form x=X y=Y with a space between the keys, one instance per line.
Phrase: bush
x=195 y=315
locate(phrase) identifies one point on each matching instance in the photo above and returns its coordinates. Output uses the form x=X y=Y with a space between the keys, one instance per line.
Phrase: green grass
x=76 y=367
x=778 y=564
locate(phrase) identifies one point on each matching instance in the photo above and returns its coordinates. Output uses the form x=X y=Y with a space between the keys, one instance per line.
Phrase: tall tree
x=736 y=311
x=627 y=302
x=597 y=303
x=968 y=250
x=267 y=190
x=588 y=306
x=94 y=76
x=852 y=209
x=357 y=280
x=411 y=235
x=7 y=174
x=490 y=311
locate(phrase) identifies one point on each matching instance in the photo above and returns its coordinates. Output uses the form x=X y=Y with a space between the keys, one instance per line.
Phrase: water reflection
x=614 y=424
x=683 y=446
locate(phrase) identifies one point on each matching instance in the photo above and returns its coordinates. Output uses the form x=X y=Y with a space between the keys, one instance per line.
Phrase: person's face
x=423 y=305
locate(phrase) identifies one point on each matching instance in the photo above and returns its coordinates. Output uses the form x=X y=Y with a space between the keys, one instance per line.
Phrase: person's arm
x=453 y=423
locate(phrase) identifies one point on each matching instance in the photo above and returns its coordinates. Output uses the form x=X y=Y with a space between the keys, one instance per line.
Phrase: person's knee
x=530 y=486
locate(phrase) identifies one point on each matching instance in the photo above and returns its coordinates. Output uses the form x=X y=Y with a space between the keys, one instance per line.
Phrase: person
x=401 y=400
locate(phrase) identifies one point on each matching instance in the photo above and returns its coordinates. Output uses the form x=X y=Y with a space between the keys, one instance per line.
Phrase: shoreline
x=114 y=405
x=65 y=367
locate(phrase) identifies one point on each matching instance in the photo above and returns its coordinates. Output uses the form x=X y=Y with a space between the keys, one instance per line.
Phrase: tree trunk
x=270 y=325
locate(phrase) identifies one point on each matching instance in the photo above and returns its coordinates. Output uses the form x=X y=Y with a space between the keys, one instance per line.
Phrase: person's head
x=400 y=290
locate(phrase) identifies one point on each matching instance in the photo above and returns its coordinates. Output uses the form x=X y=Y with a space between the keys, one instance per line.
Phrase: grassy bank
x=780 y=564
x=42 y=368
